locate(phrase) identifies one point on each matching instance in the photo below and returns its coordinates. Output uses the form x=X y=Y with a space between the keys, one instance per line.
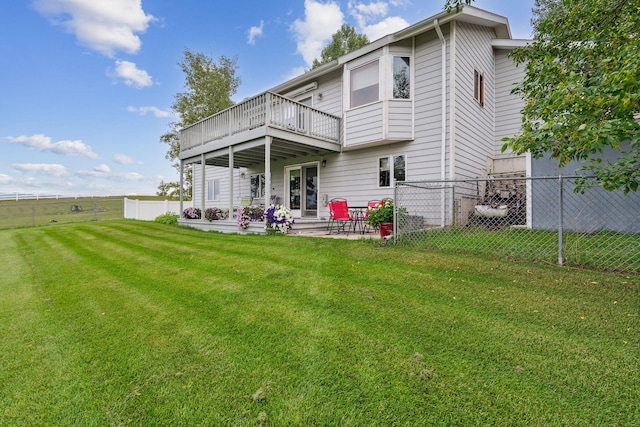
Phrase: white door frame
x=297 y=213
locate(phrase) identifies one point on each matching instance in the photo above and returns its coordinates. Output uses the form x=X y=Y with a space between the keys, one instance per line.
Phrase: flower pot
x=386 y=229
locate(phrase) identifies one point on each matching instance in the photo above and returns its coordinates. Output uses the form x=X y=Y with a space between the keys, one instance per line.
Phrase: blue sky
x=86 y=85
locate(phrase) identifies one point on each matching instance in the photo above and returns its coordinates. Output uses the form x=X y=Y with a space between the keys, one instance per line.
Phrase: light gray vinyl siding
x=474 y=131
x=400 y=120
x=327 y=96
x=364 y=125
x=425 y=152
x=241 y=186
x=508 y=118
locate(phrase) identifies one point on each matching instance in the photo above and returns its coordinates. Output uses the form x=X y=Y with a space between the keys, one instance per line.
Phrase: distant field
x=32 y=212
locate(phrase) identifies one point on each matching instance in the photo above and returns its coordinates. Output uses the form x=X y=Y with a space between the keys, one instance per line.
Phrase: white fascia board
x=509 y=43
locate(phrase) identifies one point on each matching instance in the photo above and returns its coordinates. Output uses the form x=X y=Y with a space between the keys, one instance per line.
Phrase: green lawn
x=135 y=323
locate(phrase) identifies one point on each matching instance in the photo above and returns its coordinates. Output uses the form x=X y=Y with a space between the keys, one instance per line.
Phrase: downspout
x=443 y=114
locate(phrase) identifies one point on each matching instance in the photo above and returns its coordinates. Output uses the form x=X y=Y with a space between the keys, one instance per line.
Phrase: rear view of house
x=429 y=102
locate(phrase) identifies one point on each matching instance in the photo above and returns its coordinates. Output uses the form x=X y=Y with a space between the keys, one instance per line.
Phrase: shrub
x=212 y=214
x=383 y=213
x=247 y=214
x=169 y=218
x=192 y=213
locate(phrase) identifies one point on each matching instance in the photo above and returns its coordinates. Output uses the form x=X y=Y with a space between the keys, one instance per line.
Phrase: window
x=401 y=77
x=392 y=166
x=257 y=185
x=213 y=189
x=478 y=87
x=364 y=84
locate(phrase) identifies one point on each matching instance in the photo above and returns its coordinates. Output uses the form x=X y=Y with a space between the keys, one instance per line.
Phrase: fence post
x=395 y=213
x=560 y=215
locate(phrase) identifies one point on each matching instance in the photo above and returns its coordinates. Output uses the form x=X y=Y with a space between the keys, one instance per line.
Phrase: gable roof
x=468 y=14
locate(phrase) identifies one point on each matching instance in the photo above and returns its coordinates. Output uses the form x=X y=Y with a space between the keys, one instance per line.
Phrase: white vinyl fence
x=148 y=210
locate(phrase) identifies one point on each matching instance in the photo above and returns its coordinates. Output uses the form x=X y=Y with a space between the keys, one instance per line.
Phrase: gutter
x=443 y=114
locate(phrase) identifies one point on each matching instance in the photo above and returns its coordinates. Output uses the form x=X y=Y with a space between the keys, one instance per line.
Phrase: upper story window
x=365 y=84
x=478 y=87
x=401 y=77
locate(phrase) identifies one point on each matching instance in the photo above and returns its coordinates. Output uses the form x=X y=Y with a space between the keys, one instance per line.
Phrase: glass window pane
x=384 y=174
x=401 y=77
x=399 y=169
x=364 y=84
x=209 y=190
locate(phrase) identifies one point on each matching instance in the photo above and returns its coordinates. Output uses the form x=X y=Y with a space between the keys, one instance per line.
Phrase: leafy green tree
x=582 y=88
x=343 y=41
x=210 y=86
x=455 y=4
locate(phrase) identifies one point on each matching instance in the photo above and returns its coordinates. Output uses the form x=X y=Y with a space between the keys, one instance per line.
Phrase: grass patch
x=31 y=212
x=139 y=323
x=603 y=250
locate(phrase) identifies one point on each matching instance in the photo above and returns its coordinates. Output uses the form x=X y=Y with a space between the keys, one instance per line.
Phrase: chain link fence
x=38 y=212
x=541 y=219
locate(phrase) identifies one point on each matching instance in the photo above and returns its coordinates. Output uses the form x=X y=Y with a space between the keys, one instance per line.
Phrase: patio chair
x=246 y=201
x=339 y=216
x=370 y=205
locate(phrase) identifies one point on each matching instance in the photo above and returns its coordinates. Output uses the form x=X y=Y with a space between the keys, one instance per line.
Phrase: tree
x=455 y=4
x=343 y=41
x=581 y=90
x=210 y=86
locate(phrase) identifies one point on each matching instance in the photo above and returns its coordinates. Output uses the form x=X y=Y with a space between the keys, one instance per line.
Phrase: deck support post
x=204 y=185
x=267 y=171
x=231 y=195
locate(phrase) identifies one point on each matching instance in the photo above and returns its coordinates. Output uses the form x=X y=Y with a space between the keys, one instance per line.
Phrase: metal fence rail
x=538 y=218
x=31 y=213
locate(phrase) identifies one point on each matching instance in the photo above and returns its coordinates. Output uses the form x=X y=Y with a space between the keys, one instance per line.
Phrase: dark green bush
x=169 y=218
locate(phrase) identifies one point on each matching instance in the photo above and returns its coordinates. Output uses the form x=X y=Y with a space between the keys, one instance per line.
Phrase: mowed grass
x=135 y=323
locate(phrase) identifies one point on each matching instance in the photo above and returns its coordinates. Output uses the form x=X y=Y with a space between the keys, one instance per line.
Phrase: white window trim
x=261 y=190
x=392 y=180
x=479 y=82
x=390 y=81
x=212 y=193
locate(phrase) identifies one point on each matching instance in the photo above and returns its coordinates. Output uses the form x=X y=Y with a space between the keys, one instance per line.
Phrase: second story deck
x=267 y=114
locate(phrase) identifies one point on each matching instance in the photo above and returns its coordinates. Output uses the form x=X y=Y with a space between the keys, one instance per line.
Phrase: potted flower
x=247 y=214
x=278 y=219
x=213 y=214
x=380 y=216
x=192 y=213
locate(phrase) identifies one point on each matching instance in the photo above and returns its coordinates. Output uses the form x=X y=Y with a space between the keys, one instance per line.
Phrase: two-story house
x=432 y=101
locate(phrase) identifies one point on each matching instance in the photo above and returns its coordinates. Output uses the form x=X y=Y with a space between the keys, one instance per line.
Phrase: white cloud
x=364 y=13
x=131 y=74
x=105 y=26
x=52 y=169
x=320 y=22
x=102 y=168
x=143 y=111
x=98 y=172
x=387 y=26
x=42 y=142
x=123 y=159
x=255 y=32
x=5 y=179
x=373 y=21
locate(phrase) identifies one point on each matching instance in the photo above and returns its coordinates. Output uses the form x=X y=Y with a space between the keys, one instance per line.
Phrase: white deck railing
x=267 y=109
